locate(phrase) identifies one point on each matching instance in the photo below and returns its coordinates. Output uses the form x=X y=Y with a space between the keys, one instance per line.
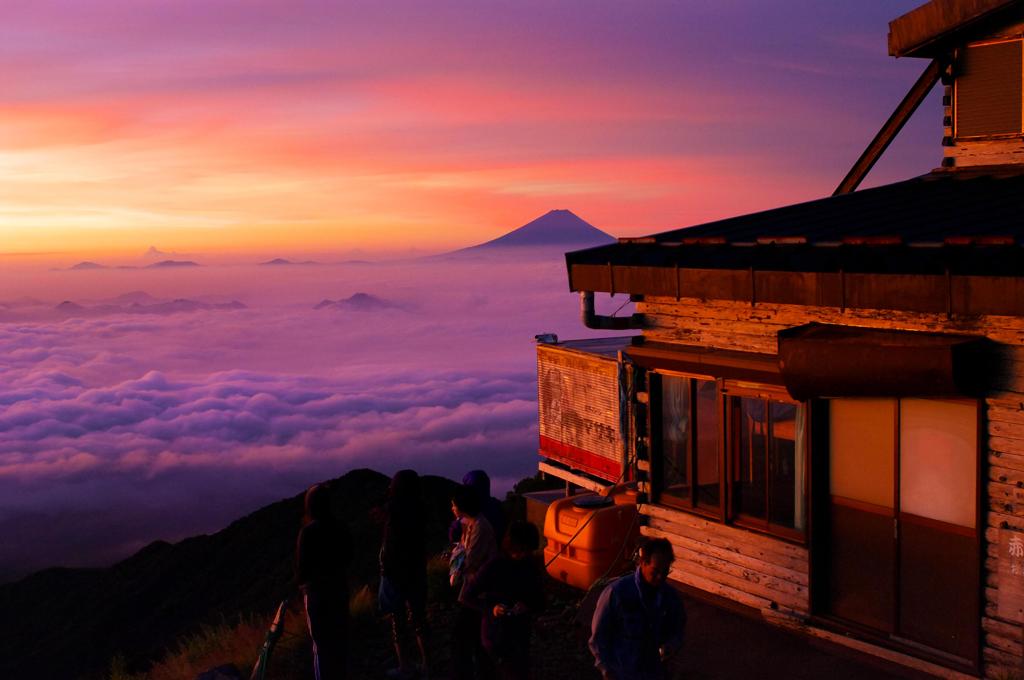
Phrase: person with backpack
x=509 y=591
x=322 y=555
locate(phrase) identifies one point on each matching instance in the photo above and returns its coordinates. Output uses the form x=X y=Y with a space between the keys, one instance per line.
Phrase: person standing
x=509 y=591
x=322 y=556
x=476 y=541
x=403 y=568
x=639 y=620
x=490 y=507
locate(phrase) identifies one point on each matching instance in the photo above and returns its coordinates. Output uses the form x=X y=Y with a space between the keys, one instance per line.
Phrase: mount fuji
x=561 y=229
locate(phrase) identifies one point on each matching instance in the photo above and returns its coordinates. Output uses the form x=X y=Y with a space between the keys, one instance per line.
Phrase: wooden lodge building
x=824 y=408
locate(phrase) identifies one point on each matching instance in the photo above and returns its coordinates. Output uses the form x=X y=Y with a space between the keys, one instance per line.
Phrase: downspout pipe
x=591 y=319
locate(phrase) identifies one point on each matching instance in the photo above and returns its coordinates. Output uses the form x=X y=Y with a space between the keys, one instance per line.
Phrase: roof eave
x=935 y=28
x=930 y=290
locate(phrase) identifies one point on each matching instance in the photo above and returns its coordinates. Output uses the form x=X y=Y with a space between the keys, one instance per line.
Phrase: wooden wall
x=757 y=570
x=752 y=569
x=964 y=153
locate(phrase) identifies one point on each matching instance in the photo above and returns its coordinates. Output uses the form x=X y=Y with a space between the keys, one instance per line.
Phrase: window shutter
x=988 y=90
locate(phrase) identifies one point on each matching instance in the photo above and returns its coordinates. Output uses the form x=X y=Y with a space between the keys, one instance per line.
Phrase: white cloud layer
x=117 y=429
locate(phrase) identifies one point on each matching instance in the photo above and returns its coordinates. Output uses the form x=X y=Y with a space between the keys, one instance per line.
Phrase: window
x=767 y=446
x=705 y=435
x=929 y=444
x=689 y=464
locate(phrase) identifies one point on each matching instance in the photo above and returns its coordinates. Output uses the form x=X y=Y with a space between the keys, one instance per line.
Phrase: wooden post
x=891 y=128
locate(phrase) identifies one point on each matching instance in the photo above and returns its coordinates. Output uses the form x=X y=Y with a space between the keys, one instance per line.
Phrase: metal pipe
x=591 y=319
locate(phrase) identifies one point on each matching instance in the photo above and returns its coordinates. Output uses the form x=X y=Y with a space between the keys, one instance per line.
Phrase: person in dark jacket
x=491 y=507
x=509 y=591
x=639 y=619
x=322 y=556
x=403 y=566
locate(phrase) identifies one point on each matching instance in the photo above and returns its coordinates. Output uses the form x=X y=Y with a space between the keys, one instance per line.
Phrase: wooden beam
x=795 y=625
x=573 y=477
x=891 y=128
x=921 y=32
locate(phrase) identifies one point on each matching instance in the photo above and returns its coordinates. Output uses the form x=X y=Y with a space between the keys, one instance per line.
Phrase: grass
x=239 y=643
x=362 y=608
x=212 y=646
x=119 y=670
x=438 y=589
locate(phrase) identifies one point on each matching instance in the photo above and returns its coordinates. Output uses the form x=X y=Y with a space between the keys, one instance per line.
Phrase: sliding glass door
x=903 y=556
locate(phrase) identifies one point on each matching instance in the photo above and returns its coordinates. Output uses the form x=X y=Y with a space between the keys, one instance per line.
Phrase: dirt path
x=720 y=645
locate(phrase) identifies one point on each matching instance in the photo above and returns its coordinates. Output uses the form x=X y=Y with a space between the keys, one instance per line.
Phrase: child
x=510 y=592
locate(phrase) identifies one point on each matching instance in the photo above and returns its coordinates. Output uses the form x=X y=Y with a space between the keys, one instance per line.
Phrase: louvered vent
x=988 y=90
x=578 y=397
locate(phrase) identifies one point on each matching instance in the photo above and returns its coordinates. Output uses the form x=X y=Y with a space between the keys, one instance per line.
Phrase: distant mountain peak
x=154 y=253
x=88 y=264
x=358 y=302
x=172 y=263
x=277 y=261
x=560 y=227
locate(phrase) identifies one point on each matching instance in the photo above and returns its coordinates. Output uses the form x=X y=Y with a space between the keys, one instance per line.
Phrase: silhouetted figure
x=403 y=566
x=478 y=547
x=322 y=555
x=510 y=592
x=490 y=506
x=639 y=619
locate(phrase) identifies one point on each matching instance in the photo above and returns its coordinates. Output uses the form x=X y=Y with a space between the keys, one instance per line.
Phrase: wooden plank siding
x=770 y=574
x=744 y=566
x=974 y=152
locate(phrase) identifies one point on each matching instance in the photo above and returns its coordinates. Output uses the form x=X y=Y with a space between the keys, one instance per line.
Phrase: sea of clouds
x=126 y=418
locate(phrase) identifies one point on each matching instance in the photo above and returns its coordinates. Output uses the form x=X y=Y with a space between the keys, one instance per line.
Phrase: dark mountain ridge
x=133 y=303
x=69 y=623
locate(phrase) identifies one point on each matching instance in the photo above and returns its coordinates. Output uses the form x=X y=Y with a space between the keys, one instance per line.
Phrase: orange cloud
x=257 y=126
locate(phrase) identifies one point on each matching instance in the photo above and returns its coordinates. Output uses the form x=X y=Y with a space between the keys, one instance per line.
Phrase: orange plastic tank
x=598 y=547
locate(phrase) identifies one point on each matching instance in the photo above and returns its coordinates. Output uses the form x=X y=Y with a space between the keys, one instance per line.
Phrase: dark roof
x=605 y=347
x=943 y=224
x=935 y=27
x=940 y=207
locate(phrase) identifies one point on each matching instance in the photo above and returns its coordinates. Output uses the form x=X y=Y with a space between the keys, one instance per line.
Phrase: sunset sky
x=312 y=126
x=340 y=130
